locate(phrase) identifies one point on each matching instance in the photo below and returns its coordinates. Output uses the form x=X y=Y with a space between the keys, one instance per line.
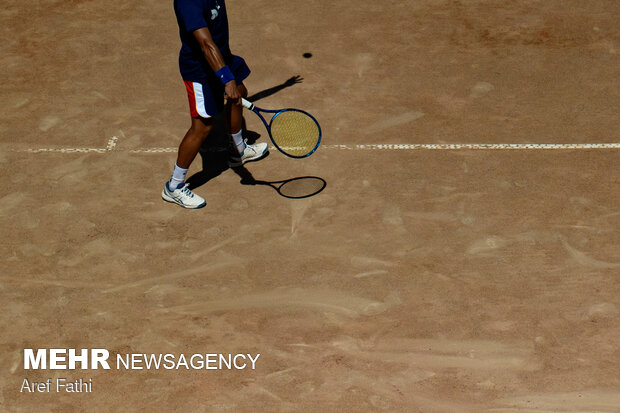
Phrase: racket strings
x=295 y=132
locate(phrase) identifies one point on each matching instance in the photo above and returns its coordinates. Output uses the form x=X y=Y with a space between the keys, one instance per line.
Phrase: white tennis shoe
x=183 y=196
x=250 y=153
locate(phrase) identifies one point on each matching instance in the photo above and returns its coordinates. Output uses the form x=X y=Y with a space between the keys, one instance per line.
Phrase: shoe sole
x=254 y=159
x=168 y=198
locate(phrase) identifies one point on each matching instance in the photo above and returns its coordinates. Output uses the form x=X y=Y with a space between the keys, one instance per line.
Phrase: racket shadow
x=293 y=188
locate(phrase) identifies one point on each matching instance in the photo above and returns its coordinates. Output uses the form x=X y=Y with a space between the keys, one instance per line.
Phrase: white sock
x=237 y=139
x=178 y=177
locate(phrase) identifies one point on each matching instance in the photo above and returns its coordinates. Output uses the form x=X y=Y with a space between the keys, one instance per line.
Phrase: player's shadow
x=268 y=92
x=214 y=150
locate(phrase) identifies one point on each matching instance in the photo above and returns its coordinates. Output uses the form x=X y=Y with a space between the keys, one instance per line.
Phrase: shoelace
x=185 y=190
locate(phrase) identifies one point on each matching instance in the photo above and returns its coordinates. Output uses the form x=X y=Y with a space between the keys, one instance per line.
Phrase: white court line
x=111 y=146
x=65 y=150
x=441 y=146
x=474 y=146
x=112 y=143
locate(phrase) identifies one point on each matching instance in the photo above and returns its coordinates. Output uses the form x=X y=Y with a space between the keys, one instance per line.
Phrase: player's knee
x=201 y=127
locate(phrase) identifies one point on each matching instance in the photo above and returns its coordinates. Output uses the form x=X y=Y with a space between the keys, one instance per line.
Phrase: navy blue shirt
x=193 y=15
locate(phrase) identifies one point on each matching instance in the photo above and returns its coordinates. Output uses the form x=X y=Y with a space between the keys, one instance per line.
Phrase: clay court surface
x=448 y=280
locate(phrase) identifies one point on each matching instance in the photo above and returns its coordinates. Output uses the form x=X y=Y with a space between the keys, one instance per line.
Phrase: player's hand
x=232 y=92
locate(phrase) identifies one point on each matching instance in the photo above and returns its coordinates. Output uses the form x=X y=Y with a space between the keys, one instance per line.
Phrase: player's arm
x=216 y=61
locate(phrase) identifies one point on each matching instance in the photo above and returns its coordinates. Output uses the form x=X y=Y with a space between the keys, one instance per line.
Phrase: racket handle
x=247 y=104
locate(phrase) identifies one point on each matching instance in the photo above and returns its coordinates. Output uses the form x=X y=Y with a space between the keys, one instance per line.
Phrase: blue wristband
x=225 y=75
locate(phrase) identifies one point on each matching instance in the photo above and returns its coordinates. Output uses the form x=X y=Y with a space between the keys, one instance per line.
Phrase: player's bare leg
x=234 y=112
x=241 y=152
x=197 y=133
x=176 y=191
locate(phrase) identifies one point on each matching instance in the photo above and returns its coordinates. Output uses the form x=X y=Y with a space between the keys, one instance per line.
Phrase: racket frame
x=249 y=105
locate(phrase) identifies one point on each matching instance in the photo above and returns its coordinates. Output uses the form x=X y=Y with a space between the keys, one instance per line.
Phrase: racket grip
x=247 y=104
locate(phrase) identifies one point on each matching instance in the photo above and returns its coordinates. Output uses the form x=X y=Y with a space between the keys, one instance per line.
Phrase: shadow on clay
x=268 y=92
x=292 y=188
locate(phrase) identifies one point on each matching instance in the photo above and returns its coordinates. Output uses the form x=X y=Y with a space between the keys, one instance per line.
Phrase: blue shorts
x=206 y=99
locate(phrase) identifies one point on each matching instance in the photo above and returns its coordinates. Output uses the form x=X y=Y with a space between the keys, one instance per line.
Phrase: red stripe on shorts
x=192 y=98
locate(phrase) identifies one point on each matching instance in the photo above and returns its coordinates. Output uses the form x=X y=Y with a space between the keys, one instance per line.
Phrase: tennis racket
x=293 y=132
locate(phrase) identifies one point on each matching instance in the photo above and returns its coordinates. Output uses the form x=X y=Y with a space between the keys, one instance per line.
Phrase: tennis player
x=213 y=78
